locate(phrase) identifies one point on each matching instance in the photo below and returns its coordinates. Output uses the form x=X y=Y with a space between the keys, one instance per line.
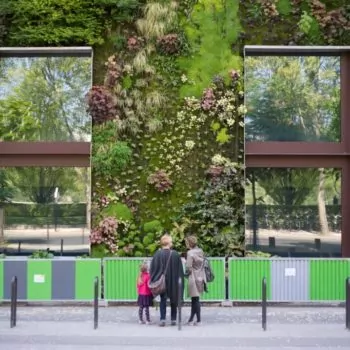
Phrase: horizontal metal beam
x=275 y=148
x=45 y=148
x=78 y=51
x=291 y=50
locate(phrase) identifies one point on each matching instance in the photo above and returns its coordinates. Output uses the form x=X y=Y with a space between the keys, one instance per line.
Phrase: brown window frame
x=45 y=153
x=311 y=154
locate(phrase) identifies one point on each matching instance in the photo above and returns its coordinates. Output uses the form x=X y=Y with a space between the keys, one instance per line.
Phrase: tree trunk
x=87 y=182
x=322 y=213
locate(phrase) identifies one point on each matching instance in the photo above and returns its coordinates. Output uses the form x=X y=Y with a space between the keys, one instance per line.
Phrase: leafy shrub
x=106 y=233
x=41 y=254
x=102 y=105
x=169 y=44
x=217 y=213
x=64 y=22
x=118 y=210
x=161 y=181
x=110 y=158
x=153 y=226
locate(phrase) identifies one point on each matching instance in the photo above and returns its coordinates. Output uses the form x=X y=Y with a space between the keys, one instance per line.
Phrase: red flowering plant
x=134 y=43
x=106 y=233
x=102 y=105
x=169 y=44
x=161 y=181
x=114 y=71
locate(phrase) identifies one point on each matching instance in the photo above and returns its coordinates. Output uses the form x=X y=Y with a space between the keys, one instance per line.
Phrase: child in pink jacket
x=145 y=297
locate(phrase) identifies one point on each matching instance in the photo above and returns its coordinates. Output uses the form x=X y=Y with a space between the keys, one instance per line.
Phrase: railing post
x=264 y=303
x=347 y=303
x=13 y=314
x=61 y=246
x=96 y=303
x=179 y=304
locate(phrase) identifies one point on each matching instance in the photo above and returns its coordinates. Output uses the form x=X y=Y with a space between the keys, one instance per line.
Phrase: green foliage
x=222 y=136
x=133 y=242
x=212 y=29
x=100 y=251
x=41 y=254
x=153 y=226
x=17 y=121
x=64 y=22
x=6 y=192
x=119 y=210
x=217 y=214
x=284 y=7
x=109 y=156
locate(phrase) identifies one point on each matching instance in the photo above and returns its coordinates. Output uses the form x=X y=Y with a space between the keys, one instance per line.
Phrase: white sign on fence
x=39 y=278
x=289 y=272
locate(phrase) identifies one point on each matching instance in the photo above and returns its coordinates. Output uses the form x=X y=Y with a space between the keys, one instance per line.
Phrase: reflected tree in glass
x=292 y=98
x=43 y=99
x=291 y=188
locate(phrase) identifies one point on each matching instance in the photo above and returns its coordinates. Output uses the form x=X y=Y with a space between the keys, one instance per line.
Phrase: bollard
x=347 y=303
x=264 y=304
x=19 y=247
x=13 y=316
x=179 y=304
x=96 y=303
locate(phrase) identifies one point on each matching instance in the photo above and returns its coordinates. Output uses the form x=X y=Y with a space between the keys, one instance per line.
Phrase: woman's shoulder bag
x=159 y=287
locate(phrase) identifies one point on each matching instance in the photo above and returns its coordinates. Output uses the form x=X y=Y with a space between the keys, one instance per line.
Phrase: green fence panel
x=2 y=280
x=85 y=272
x=50 y=279
x=216 y=289
x=245 y=278
x=327 y=279
x=39 y=279
x=120 y=275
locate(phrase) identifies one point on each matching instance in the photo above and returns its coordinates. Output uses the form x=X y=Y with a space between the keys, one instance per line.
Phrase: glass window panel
x=293 y=211
x=43 y=98
x=292 y=98
x=41 y=206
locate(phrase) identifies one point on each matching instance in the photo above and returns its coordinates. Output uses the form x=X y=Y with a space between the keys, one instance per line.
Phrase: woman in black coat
x=173 y=272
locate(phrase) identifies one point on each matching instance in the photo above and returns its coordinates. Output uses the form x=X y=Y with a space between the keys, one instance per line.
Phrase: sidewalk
x=223 y=328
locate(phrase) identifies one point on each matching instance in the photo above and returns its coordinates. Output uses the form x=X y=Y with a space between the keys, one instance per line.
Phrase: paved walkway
x=71 y=328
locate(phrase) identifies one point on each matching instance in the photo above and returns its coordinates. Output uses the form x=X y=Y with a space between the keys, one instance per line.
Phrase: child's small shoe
x=148 y=323
x=190 y=323
x=141 y=322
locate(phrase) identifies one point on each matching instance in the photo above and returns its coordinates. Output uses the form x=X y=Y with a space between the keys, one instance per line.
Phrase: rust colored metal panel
x=19 y=160
x=294 y=148
x=21 y=154
x=345 y=210
x=45 y=148
x=296 y=161
x=345 y=100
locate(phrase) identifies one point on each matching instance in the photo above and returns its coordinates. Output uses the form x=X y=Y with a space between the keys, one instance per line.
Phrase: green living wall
x=167 y=105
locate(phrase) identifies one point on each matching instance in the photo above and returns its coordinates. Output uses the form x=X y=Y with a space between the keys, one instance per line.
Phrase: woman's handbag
x=209 y=274
x=159 y=287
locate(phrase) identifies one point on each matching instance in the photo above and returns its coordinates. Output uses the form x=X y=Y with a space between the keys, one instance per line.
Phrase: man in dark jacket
x=168 y=261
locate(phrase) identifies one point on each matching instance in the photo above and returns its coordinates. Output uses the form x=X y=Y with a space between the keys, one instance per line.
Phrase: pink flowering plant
x=160 y=180
x=106 y=233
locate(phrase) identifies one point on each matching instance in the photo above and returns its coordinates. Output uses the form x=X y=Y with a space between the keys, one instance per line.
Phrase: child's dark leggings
x=195 y=309
x=146 y=308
